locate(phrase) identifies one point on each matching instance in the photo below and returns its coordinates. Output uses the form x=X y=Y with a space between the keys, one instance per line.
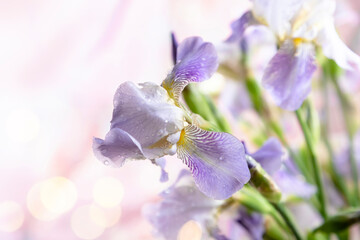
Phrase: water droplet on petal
x=106 y=162
x=221 y=158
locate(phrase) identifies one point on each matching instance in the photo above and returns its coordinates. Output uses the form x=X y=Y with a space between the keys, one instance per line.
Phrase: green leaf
x=340 y=221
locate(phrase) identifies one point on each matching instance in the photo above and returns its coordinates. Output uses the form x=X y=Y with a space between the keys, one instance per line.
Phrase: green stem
x=334 y=174
x=349 y=128
x=286 y=215
x=314 y=163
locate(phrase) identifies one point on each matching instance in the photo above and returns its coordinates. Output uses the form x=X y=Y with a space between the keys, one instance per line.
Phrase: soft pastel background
x=60 y=64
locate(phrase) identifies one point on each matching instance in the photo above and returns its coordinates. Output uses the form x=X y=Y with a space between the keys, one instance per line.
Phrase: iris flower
x=150 y=122
x=299 y=26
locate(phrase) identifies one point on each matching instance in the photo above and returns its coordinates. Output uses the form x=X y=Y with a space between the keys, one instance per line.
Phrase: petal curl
x=146 y=112
x=117 y=147
x=161 y=162
x=333 y=47
x=216 y=160
x=288 y=75
x=269 y=155
x=196 y=61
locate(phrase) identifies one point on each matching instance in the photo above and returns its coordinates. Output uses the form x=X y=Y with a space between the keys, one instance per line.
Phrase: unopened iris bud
x=262 y=181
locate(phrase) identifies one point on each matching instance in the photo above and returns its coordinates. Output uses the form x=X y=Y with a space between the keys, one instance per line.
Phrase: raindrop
x=106 y=162
x=221 y=158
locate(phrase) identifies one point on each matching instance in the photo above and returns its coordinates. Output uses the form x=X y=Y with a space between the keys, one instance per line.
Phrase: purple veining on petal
x=252 y=222
x=216 y=160
x=239 y=26
x=161 y=162
x=180 y=203
x=269 y=155
x=196 y=61
x=117 y=147
x=288 y=75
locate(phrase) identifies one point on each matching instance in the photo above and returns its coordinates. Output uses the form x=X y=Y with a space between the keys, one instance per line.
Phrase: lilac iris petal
x=333 y=47
x=292 y=184
x=117 y=147
x=288 y=75
x=269 y=155
x=146 y=112
x=196 y=61
x=252 y=222
x=180 y=204
x=239 y=26
x=161 y=162
x=216 y=160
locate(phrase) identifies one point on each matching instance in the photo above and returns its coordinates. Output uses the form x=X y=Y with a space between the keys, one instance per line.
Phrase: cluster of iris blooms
x=151 y=121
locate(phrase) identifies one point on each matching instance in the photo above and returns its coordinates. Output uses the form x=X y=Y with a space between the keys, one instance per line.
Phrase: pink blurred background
x=60 y=64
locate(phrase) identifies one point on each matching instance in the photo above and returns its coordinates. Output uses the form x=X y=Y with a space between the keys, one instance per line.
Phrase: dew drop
x=106 y=162
x=221 y=158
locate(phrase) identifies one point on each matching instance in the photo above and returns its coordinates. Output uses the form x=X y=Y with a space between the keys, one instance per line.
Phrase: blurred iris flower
x=183 y=202
x=299 y=26
x=150 y=122
x=284 y=173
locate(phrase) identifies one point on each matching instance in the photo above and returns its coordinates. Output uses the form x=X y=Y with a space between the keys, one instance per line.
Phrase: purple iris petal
x=117 y=147
x=239 y=26
x=293 y=184
x=270 y=155
x=216 y=160
x=161 y=162
x=196 y=61
x=342 y=160
x=174 y=45
x=180 y=203
x=288 y=75
x=146 y=112
x=252 y=222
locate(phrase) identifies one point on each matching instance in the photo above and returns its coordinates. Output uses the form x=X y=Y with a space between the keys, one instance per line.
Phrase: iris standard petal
x=196 y=61
x=117 y=147
x=147 y=113
x=277 y=14
x=180 y=203
x=288 y=74
x=216 y=160
x=311 y=18
x=269 y=155
x=239 y=26
x=333 y=47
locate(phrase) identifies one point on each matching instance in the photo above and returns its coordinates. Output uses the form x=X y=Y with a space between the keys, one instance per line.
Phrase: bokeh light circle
x=11 y=216
x=83 y=224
